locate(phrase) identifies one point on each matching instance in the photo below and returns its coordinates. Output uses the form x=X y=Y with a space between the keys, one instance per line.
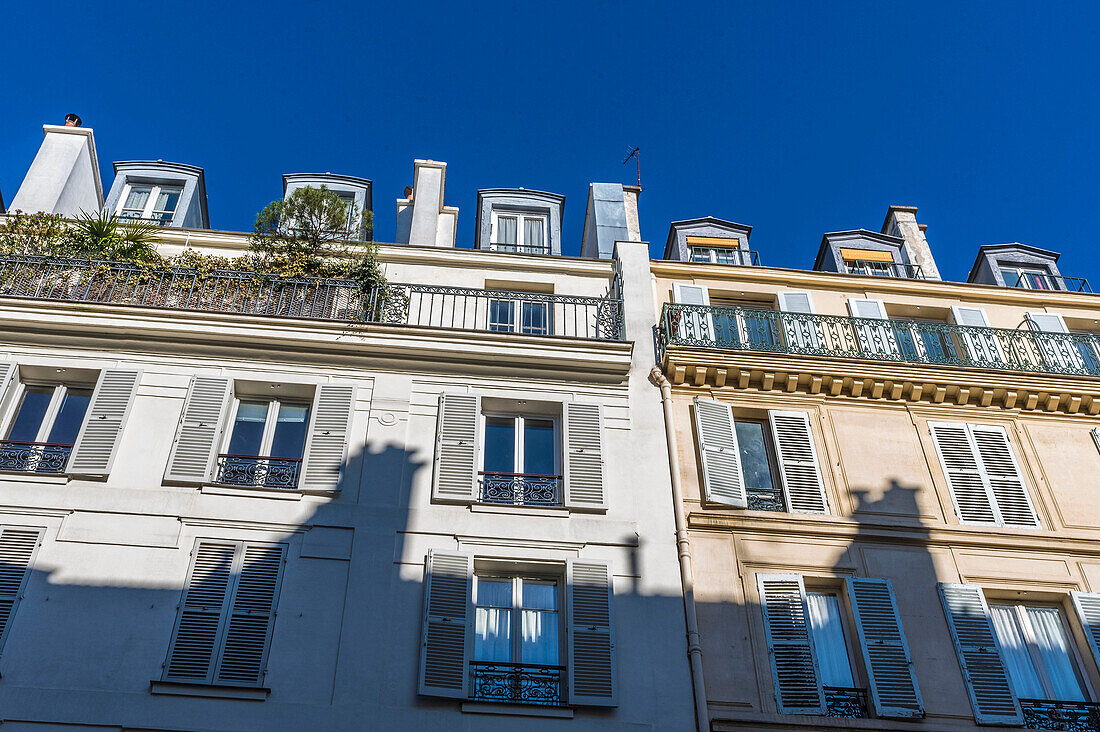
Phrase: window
x=518 y=632
x=520 y=316
x=983 y=475
x=266 y=442
x=1038 y=652
x=811 y=648
x=721 y=255
x=758 y=463
x=348 y=200
x=44 y=427
x=519 y=232
x=520 y=460
x=748 y=465
x=1028 y=278
x=517 y=639
x=224 y=622
x=153 y=202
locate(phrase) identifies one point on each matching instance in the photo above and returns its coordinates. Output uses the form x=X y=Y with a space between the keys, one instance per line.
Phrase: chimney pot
x=72 y=120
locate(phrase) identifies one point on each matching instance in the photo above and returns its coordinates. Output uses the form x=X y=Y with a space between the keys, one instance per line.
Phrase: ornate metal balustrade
x=906 y=341
x=520 y=489
x=884 y=269
x=258 y=471
x=1061 y=715
x=766 y=500
x=844 y=702
x=1042 y=281
x=160 y=218
x=520 y=248
x=248 y=293
x=34 y=457
x=516 y=683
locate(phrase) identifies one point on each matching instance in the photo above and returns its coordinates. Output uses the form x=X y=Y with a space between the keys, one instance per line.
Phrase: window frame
x=348 y=198
x=57 y=399
x=516 y=325
x=149 y=210
x=1022 y=271
x=852 y=645
x=521 y=216
x=519 y=421
x=516 y=609
x=771 y=454
x=1023 y=625
x=270 y=424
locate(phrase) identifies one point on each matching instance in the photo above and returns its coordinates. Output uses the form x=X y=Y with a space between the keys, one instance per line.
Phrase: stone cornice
x=731 y=275
x=881 y=380
x=121 y=329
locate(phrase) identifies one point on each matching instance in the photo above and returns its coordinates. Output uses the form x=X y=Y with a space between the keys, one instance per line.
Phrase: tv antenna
x=636 y=154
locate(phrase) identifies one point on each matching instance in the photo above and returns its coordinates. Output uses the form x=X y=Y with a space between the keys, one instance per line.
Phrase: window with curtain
x=827 y=627
x=514 y=231
x=1038 y=653
x=156 y=203
x=517 y=620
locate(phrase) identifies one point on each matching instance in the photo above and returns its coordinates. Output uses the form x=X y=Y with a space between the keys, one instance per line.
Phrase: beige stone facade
x=872 y=401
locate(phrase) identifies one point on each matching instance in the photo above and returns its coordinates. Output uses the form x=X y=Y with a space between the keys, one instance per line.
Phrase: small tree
x=306 y=235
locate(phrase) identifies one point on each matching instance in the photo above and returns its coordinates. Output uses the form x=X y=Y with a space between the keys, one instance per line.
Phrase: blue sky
x=796 y=118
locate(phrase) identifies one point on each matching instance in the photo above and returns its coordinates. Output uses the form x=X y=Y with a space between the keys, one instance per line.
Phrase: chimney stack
x=64 y=177
x=901 y=221
x=422 y=219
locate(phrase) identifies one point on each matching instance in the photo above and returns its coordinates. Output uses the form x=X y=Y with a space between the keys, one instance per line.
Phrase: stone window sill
x=517 y=710
x=556 y=511
x=27 y=476
x=284 y=494
x=175 y=688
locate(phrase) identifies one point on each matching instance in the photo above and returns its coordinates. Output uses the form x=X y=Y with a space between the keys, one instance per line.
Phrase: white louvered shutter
x=447 y=634
x=980 y=658
x=969 y=316
x=192 y=654
x=1003 y=473
x=874 y=340
x=796 y=301
x=457 y=444
x=584 y=480
x=798 y=464
x=247 y=638
x=592 y=672
x=18 y=545
x=7 y=378
x=723 y=481
x=694 y=325
x=327 y=446
x=199 y=431
x=1060 y=353
x=981 y=346
x=97 y=441
x=790 y=644
x=963 y=471
x=1087 y=605
x=894 y=690
x=800 y=333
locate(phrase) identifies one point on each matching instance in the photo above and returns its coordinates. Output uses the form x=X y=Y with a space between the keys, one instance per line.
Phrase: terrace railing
x=906 y=341
x=884 y=269
x=248 y=293
x=1042 y=281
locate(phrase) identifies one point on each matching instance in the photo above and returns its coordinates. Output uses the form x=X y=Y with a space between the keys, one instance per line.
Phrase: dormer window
x=517 y=231
x=153 y=203
x=348 y=199
x=1029 y=278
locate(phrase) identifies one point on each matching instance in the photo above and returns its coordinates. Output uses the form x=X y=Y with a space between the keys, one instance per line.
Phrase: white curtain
x=828 y=633
x=533 y=233
x=1054 y=649
x=539 y=623
x=492 y=621
x=506 y=230
x=1025 y=678
x=137 y=199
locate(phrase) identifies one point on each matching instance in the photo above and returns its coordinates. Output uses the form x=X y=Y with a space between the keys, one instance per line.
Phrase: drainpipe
x=683 y=549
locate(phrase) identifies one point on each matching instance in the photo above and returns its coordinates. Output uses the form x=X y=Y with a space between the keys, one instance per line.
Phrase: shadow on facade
x=94 y=626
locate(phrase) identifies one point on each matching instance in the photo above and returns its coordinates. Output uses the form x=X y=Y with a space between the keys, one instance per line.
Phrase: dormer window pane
x=167 y=200
x=349 y=205
x=533 y=239
x=137 y=200
x=506 y=230
x=152 y=202
x=66 y=425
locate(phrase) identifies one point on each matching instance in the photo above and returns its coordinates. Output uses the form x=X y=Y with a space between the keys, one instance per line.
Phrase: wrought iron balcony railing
x=884 y=269
x=160 y=218
x=258 y=471
x=516 y=683
x=1043 y=281
x=846 y=703
x=725 y=255
x=520 y=489
x=762 y=499
x=1061 y=715
x=34 y=457
x=520 y=248
x=904 y=341
x=248 y=293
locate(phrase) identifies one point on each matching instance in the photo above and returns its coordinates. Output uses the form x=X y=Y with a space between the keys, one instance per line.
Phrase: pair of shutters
x=980 y=657
x=203 y=422
x=458 y=447
x=885 y=651
x=448 y=629
x=97 y=441
x=983 y=474
x=723 y=478
x=223 y=627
